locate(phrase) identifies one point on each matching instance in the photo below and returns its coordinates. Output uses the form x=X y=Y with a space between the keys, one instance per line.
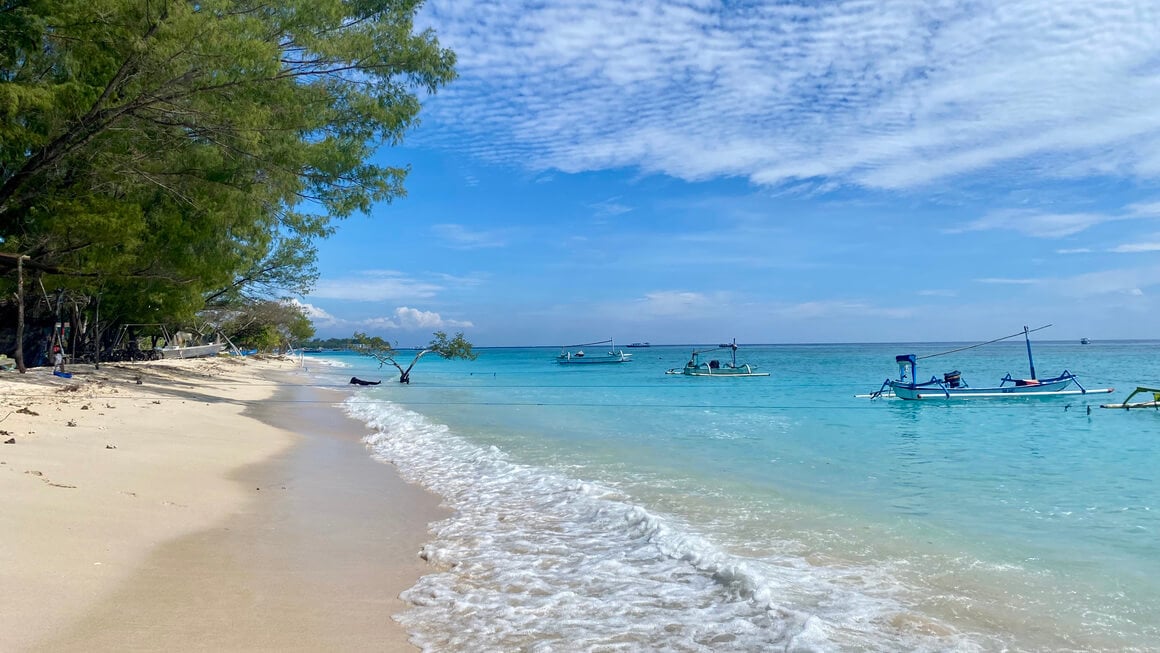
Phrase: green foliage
x=382 y=351
x=456 y=347
x=264 y=325
x=162 y=153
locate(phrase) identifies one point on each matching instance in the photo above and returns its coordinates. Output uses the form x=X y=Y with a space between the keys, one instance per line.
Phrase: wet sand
x=285 y=534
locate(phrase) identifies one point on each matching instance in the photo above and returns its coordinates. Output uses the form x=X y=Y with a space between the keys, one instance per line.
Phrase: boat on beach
x=715 y=368
x=575 y=354
x=953 y=386
x=191 y=351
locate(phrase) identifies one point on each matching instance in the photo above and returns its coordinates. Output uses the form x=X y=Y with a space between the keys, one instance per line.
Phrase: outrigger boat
x=696 y=367
x=1155 y=403
x=953 y=386
x=578 y=357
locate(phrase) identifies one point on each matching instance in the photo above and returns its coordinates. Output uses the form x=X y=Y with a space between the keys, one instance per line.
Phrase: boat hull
x=718 y=372
x=1141 y=404
x=1127 y=403
x=935 y=391
x=594 y=360
x=197 y=351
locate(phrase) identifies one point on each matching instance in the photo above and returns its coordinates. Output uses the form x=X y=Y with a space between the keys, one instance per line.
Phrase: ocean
x=617 y=508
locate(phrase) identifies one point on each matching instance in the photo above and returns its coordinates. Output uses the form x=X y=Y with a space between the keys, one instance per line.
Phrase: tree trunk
x=405 y=375
x=19 y=354
x=97 y=335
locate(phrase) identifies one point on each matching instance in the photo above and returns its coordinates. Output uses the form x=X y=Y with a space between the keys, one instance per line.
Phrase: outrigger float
x=1127 y=405
x=715 y=368
x=953 y=386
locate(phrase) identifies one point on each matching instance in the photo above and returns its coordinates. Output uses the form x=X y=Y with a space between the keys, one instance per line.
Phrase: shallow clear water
x=616 y=508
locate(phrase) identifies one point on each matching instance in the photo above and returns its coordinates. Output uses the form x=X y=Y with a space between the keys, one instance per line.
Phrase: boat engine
x=952 y=379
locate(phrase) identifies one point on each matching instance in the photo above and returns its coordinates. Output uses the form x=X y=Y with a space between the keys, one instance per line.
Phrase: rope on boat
x=590 y=344
x=954 y=351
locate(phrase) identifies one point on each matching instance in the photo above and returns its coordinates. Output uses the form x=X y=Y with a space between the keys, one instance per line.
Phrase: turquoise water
x=616 y=508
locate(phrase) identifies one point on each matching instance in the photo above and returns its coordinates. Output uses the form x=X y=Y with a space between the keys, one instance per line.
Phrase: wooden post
x=97 y=335
x=19 y=355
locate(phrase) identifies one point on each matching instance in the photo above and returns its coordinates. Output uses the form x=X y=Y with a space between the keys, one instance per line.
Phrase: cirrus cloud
x=882 y=95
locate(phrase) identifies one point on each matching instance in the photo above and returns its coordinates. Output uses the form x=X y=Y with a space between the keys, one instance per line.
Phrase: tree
x=287 y=268
x=163 y=152
x=382 y=351
x=263 y=324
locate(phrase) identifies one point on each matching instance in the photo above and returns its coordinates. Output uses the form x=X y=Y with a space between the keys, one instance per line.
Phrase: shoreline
x=265 y=522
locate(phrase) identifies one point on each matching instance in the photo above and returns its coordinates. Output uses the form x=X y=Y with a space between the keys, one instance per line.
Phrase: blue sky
x=695 y=171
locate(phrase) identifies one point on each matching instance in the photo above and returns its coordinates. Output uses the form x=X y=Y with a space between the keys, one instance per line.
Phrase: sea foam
x=534 y=560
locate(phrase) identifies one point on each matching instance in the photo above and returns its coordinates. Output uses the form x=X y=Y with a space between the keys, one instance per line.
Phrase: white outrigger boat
x=715 y=368
x=1127 y=405
x=953 y=386
x=578 y=357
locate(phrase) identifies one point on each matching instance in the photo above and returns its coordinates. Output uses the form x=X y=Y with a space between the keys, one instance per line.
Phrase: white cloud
x=676 y=303
x=410 y=319
x=937 y=293
x=1119 y=281
x=890 y=95
x=375 y=286
x=1009 y=282
x=317 y=315
x=403 y=318
x=460 y=237
x=1076 y=250
x=1135 y=248
x=832 y=309
x=1037 y=224
x=1144 y=209
x=609 y=208
x=463 y=281
x=1123 y=281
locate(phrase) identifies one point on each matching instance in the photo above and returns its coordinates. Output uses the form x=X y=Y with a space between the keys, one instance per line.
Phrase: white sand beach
x=205 y=504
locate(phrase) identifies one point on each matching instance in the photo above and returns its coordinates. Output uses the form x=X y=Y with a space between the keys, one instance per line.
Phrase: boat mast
x=1030 y=362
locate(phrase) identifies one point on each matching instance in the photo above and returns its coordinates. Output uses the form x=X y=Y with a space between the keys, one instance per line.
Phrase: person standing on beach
x=57 y=360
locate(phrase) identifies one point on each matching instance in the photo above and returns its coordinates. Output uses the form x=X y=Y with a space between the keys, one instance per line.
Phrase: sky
x=777 y=172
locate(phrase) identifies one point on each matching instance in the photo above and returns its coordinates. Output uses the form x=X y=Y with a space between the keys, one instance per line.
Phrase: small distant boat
x=1127 y=405
x=575 y=355
x=1085 y=341
x=715 y=368
x=637 y=345
x=953 y=386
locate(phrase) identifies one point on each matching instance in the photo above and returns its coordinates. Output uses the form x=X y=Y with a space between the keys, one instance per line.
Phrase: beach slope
x=207 y=504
